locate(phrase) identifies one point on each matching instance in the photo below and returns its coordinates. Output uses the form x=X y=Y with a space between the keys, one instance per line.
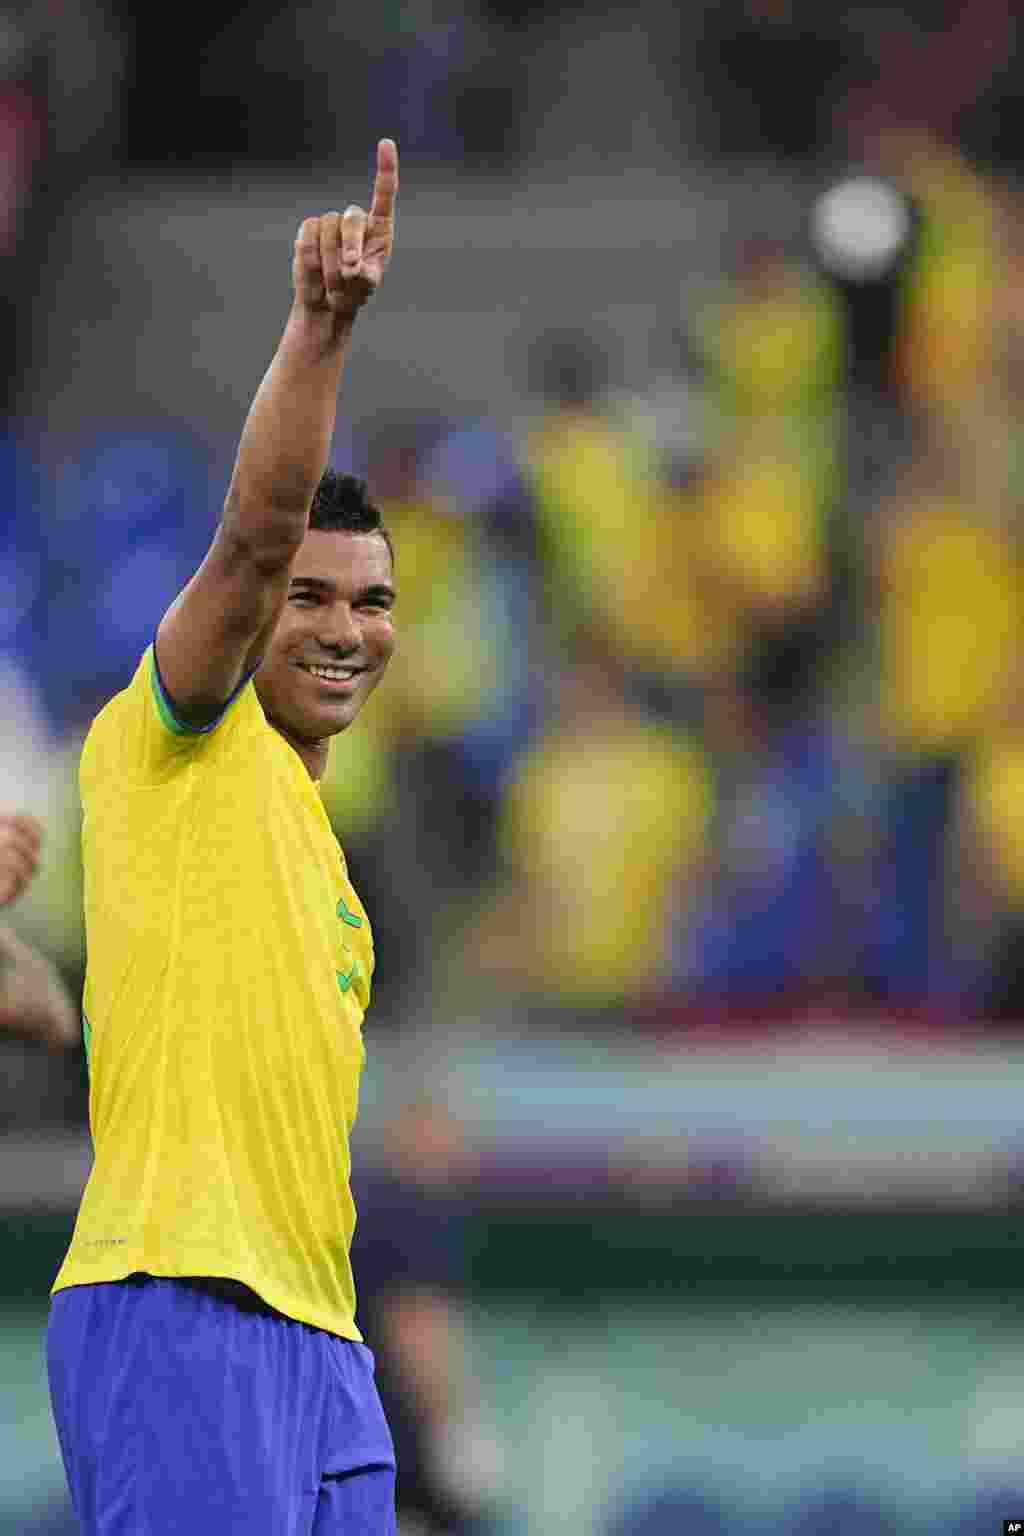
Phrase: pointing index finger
x=385 y=186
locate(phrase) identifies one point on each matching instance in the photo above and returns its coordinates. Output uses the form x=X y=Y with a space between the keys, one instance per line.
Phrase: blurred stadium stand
x=691 y=819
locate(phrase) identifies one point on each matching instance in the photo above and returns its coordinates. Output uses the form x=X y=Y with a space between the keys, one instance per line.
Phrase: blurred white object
x=859 y=228
x=470 y=1463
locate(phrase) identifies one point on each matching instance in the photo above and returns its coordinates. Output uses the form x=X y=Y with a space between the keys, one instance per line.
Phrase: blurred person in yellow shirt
x=949 y=596
x=765 y=518
x=733 y=531
x=448 y=666
x=623 y=526
x=771 y=337
x=947 y=334
x=604 y=822
x=589 y=485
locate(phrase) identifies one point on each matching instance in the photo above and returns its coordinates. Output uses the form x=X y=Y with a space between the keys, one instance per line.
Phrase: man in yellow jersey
x=206 y=1371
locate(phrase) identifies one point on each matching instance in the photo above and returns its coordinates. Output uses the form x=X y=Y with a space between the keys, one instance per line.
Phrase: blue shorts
x=189 y=1409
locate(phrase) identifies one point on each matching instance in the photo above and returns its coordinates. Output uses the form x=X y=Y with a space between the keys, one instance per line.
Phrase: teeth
x=333 y=674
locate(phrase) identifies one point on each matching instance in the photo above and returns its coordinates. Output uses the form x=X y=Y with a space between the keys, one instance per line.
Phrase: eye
x=308 y=599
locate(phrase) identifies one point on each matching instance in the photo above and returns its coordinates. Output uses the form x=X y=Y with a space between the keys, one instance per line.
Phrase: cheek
x=384 y=642
x=277 y=665
x=285 y=643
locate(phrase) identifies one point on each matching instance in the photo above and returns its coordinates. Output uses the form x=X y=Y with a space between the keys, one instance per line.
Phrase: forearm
x=34 y=1002
x=423 y=1337
x=286 y=441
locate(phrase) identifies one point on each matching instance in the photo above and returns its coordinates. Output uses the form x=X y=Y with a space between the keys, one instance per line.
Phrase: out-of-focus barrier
x=760 y=1273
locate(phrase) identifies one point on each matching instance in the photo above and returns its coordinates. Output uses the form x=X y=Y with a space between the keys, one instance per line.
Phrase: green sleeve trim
x=87 y=1039
x=165 y=707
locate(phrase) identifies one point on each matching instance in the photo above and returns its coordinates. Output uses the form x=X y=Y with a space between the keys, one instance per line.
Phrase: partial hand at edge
x=21 y=838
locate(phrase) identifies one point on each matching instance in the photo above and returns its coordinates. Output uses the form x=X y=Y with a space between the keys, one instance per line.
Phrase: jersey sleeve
x=140 y=737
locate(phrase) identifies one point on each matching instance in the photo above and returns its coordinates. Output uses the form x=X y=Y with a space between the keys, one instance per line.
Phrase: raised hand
x=340 y=258
x=20 y=840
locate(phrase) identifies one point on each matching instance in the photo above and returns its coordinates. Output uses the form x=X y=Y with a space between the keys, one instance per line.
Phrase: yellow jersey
x=228 y=972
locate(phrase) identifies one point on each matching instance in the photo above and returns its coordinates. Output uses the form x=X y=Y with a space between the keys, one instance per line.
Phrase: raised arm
x=216 y=629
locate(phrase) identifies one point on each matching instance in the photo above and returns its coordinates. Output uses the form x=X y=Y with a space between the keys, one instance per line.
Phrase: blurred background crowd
x=695 y=407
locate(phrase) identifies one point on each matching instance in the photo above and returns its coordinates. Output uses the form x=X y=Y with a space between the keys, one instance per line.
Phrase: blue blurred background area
x=691 y=817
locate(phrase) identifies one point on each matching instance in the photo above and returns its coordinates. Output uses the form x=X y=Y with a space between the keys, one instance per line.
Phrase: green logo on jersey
x=347 y=916
x=345 y=980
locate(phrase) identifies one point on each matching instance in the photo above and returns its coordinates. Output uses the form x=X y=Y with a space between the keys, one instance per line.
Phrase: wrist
x=315 y=335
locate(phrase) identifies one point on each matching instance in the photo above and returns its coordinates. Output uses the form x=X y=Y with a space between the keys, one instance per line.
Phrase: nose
x=339 y=630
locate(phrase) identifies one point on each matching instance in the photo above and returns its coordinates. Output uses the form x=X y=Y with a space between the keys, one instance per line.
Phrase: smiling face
x=332 y=641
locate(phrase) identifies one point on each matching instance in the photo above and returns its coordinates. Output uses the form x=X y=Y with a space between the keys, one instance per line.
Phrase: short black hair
x=342 y=504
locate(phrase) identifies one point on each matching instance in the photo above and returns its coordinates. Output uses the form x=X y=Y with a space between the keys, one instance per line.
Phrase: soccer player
x=206 y=1371
x=34 y=1002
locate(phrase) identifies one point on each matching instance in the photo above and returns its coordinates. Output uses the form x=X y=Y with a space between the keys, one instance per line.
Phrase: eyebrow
x=379 y=589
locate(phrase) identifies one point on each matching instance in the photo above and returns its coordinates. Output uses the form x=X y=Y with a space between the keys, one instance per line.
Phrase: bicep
x=214 y=632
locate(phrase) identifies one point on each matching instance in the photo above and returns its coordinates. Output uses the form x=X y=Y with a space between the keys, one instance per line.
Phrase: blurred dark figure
x=990 y=1510
x=278 y=84
x=673 y=1512
x=841 y=1513
x=938 y=64
x=24 y=84
x=408 y=1260
x=986 y=892
x=568 y=369
x=60 y=67
x=868 y=266
x=171 y=111
x=61 y=1520
x=905 y=961
x=771 y=929
x=771 y=71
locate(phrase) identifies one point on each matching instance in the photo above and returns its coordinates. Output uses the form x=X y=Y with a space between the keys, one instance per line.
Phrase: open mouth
x=332 y=675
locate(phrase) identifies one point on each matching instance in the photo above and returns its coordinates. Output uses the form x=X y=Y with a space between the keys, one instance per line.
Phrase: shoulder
x=138 y=735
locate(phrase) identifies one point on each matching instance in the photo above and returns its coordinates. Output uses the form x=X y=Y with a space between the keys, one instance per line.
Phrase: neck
x=313 y=753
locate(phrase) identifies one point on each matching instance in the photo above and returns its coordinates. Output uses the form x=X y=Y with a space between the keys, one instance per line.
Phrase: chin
x=335 y=720
x=338 y=724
